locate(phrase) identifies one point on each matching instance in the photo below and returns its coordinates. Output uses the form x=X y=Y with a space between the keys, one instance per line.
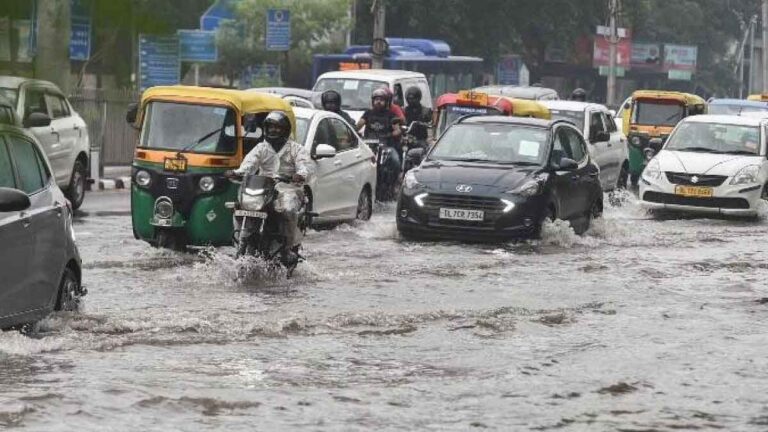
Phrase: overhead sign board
x=197 y=46
x=278 y=30
x=646 y=56
x=159 y=62
x=680 y=57
x=508 y=70
x=601 y=54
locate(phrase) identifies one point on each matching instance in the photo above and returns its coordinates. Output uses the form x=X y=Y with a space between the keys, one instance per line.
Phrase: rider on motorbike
x=379 y=121
x=279 y=156
x=417 y=117
x=331 y=101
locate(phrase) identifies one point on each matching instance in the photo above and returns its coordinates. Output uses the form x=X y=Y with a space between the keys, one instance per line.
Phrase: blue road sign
x=159 y=62
x=197 y=46
x=80 y=33
x=263 y=75
x=278 y=30
x=221 y=10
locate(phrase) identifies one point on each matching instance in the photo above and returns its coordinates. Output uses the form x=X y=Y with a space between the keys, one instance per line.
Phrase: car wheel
x=69 y=292
x=76 y=190
x=595 y=211
x=364 y=205
x=550 y=217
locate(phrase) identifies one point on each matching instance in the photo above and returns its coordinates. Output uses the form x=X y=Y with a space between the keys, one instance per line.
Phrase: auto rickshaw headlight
x=207 y=183
x=164 y=208
x=635 y=141
x=143 y=178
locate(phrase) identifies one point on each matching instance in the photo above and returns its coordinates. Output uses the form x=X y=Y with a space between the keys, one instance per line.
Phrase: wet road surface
x=640 y=325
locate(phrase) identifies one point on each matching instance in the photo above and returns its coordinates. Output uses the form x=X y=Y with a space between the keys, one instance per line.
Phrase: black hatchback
x=496 y=178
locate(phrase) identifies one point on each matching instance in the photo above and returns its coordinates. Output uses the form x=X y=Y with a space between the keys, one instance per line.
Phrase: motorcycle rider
x=276 y=156
x=418 y=115
x=331 y=101
x=382 y=124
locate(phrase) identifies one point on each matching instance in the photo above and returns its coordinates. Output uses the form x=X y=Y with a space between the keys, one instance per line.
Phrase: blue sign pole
x=278 y=30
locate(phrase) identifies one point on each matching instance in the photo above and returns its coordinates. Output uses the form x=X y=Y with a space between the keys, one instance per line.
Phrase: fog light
x=164 y=208
x=419 y=199
x=403 y=213
x=528 y=222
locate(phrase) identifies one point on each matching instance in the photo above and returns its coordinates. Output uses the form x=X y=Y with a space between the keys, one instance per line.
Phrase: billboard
x=680 y=57
x=601 y=57
x=646 y=56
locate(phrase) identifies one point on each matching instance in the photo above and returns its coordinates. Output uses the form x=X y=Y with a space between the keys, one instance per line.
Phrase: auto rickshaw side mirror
x=131 y=114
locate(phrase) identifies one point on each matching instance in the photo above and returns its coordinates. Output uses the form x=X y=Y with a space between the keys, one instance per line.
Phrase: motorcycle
x=387 y=168
x=413 y=148
x=260 y=200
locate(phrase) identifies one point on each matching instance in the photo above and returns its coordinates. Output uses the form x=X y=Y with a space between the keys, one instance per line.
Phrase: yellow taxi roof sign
x=475 y=98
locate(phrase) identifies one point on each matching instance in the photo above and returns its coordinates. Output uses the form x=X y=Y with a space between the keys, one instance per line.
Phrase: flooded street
x=640 y=325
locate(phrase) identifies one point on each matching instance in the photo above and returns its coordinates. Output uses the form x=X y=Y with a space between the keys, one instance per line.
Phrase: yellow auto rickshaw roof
x=758 y=97
x=243 y=101
x=686 y=98
x=528 y=108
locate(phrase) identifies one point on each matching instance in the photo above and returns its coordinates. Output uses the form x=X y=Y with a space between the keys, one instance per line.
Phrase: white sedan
x=345 y=176
x=712 y=164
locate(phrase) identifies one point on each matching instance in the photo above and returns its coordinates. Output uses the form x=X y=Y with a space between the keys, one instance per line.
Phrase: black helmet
x=330 y=97
x=579 y=95
x=413 y=93
x=277 y=127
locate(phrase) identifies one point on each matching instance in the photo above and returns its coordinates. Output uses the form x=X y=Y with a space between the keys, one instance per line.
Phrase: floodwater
x=643 y=324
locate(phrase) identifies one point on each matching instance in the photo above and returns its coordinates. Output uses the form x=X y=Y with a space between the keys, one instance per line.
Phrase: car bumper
x=726 y=199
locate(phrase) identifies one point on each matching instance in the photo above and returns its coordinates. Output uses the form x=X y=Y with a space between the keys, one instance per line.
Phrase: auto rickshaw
x=452 y=106
x=758 y=97
x=650 y=118
x=188 y=138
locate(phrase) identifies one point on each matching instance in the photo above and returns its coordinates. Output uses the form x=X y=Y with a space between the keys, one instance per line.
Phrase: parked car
x=496 y=177
x=297 y=97
x=520 y=92
x=345 y=176
x=711 y=164
x=606 y=144
x=64 y=139
x=39 y=261
x=356 y=86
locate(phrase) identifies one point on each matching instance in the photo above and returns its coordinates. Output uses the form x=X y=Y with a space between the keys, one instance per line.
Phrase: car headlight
x=746 y=175
x=206 y=183
x=410 y=181
x=528 y=189
x=143 y=178
x=419 y=199
x=652 y=170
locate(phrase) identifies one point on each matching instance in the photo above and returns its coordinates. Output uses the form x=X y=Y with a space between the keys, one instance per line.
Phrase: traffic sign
x=159 y=62
x=80 y=31
x=197 y=46
x=220 y=11
x=278 y=30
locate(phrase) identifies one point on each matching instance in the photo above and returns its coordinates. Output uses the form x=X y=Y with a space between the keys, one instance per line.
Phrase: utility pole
x=379 y=44
x=752 y=62
x=613 y=39
x=765 y=46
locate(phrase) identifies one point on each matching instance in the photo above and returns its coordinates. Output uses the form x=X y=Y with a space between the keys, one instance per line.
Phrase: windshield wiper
x=741 y=152
x=200 y=140
x=696 y=149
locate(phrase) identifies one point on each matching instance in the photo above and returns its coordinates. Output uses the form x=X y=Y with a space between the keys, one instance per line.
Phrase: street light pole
x=765 y=46
x=613 y=39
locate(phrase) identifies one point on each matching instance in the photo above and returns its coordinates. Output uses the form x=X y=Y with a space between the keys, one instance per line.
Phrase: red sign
x=601 y=56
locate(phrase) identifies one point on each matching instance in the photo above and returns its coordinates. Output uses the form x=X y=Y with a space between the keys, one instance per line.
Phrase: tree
x=52 y=57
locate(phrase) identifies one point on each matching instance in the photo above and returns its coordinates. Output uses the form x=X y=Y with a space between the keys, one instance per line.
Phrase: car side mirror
x=12 y=200
x=415 y=155
x=132 y=113
x=323 y=151
x=37 y=119
x=600 y=136
x=566 y=164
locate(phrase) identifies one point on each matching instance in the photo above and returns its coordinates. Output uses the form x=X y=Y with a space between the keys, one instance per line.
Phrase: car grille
x=724 y=203
x=702 y=179
x=491 y=206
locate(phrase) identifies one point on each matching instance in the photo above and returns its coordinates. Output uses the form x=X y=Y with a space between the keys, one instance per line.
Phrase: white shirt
x=292 y=159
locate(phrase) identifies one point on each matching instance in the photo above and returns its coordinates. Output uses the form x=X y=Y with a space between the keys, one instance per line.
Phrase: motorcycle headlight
x=143 y=178
x=253 y=202
x=746 y=175
x=652 y=170
x=206 y=183
x=410 y=181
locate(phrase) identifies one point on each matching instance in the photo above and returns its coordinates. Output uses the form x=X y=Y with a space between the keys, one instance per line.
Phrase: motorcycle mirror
x=323 y=151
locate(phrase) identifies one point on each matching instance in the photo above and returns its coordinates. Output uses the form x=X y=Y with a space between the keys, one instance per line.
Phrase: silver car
x=40 y=267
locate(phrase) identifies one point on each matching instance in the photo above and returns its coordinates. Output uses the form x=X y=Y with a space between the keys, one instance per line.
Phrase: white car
x=712 y=164
x=64 y=138
x=345 y=176
x=607 y=146
x=356 y=86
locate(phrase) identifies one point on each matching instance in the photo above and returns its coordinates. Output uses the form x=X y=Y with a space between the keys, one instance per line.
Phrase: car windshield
x=302 y=126
x=492 y=142
x=355 y=93
x=735 y=109
x=657 y=113
x=715 y=138
x=451 y=113
x=10 y=94
x=575 y=117
x=188 y=127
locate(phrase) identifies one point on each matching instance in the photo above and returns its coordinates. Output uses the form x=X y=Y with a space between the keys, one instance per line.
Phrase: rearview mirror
x=132 y=113
x=37 y=119
x=566 y=164
x=12 y=200
x=323 y=151
x=600 y=136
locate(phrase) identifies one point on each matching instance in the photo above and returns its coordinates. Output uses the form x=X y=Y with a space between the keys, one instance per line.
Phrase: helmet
x=384 y=93
x=413 y=93
x=331 y=97
x=579 y=95
x=277 y=127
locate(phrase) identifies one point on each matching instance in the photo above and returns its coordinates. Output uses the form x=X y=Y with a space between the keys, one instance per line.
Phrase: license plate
x=694 y=191
x=175 y=164
x=249 y=213
x=459 y=214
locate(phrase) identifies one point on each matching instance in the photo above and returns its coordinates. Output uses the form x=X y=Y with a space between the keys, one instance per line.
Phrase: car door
x=17 y=246
x=36 y=102
x=564 y=183
x=350 y=159
x=326 y=192
x=44 y=219
x=585 y=177
x=618 y=144
x=68 y=130
x=600 y=149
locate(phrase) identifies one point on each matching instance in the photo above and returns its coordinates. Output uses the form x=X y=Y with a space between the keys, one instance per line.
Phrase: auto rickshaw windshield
x=657 y=113
x=188 y=127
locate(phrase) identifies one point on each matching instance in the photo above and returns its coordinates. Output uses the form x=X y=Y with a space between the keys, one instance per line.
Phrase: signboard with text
x=646 y=56
x=197 y=46
x=80 y=31
x=680 y=57
x=601 y=56
x=159 y=62
x=278 y=30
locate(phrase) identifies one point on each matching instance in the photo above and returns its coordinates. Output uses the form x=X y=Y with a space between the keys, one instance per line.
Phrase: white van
x=356 y=86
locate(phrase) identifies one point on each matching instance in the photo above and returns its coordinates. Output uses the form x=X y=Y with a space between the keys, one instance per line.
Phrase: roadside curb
x=111 y=184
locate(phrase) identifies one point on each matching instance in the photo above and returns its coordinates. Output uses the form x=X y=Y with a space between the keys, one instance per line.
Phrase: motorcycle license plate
x=460 y=214
x=694 y=191
x=249 y=213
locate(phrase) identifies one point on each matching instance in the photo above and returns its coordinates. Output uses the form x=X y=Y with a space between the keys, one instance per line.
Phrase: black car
x=496 y=178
